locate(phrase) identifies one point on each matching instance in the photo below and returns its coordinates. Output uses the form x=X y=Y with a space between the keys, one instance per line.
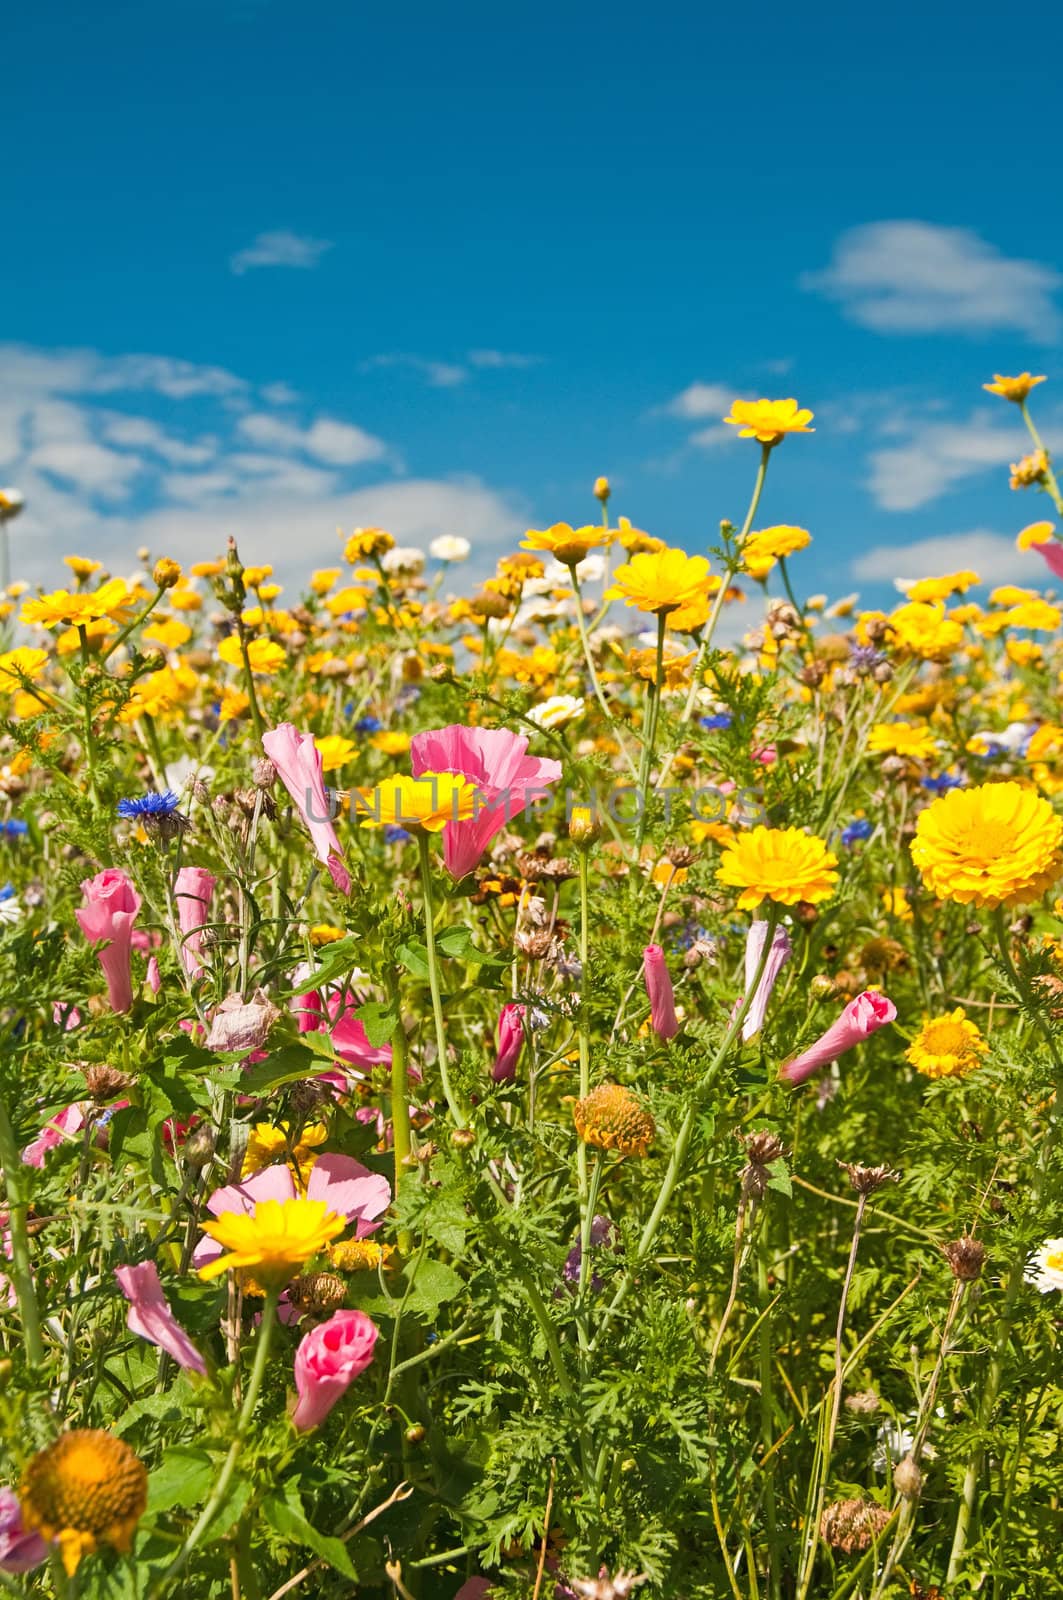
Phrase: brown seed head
x=966 y=1257
x=865 y=1180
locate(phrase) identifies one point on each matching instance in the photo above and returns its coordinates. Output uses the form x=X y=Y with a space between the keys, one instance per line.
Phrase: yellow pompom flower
x=264 y=656
x=947 y=1047
x=995 y=845
x=322 y=933
x=335 y=751
x=86 y=1489
x=768 y=421
x=760 y=551
x=364 y=543
x=931 y=589
x=566 y=544
x=611 y=1118
x=902 y=739
x=922 y=629
x=324 y=579
x=428 y=802
x=1031 y=470
x=1033 y=534
x=661 y=580
x=275 y=1239
x=1014 y=389
x=780 y=864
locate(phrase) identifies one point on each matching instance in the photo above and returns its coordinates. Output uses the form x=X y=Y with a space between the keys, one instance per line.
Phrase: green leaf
x=379 y=1021
x=338 y=960
x=414 y=958
x=287 y=1065
x=183 y=1478
x=434 y=1284
x=780 y=1178
x=446 y=1223
x=285 y=1516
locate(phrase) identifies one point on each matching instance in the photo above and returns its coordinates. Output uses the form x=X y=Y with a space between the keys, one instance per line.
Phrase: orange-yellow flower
x=661 y=581
x=1015 y=389
x=86 y=1489
x=993 y=845
x=768 y=421
x=1035 y=533
x=566 y=544
x=784 y=865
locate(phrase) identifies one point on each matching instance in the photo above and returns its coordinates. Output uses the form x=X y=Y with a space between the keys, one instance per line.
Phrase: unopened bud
x=417 y=1433
x=584 y=828
x=602 y=490
x=908 y=1478
x=167 y=573
x=463 y=1138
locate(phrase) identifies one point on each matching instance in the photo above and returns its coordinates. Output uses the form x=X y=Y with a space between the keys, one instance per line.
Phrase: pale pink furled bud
x=110 y=909
x=664 y=1021
x=20 y=1550
x=154 y=975
x=300 y=769
x=510 y=1042
x=193 y=889
x=242 y=1025
x=778 y=955
x=328 y=1360
x=861 y=1018
x=151 y=1318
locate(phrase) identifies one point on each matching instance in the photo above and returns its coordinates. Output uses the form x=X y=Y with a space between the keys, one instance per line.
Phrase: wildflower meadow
x=503 y=1093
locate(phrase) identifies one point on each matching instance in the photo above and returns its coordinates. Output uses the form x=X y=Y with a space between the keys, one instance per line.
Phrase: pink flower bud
x=111 y=907
x=510 y=1042
x=193 y=890
x=659 y=988
x=861 y=1018
x=328 y=1360
x=150 y=1315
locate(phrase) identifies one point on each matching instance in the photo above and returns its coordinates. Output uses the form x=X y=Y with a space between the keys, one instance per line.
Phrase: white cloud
x=498 y=359
x=280 y=249
x=699 y=400
x=341 y=444
x=937 y=456
x=139 y=433
x=992 y=555
x=916 y=277
x=438 y=374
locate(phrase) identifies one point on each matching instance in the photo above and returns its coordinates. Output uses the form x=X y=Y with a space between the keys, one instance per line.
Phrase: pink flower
x=309 y=1008
x=662 y=996
x=20 y=1550
x=193 y=890
x=59 y=1131
x=111 y=907
x=510 y=1041
x=150 y=1315
x=343 y=1183
x=349 y=1038
x=1053 y=556
x=496 y=761
x=299 y=767
x=328 y=1360
x=66 y=1017
x=778 y=956
x=861 y=1018
x=154 y=975
x=242 y=1025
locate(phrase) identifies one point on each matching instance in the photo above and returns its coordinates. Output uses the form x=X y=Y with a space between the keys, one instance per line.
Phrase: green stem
x=19 y=1269
x=249 y=681
x=243 y=1424
x=581 y=623
x=1051 y=483
x=424 y=852
x=653 y=709
x=765 y=1355
x=121 y=638
x=400 y=1110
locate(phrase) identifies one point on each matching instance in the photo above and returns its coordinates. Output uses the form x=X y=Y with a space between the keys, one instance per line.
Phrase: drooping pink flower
x=349 y=1038
x=154 y=975
x=861 y=1018
x=328 y=1360
x=111 y=907
x=60 y=1130
x=344 y=1184
x=510 y=1041
x=778 y=955
x=496 y=761
x=20 y=1550
x=300 y=769
x=151 y=1318
x=1052 y=554
x=193 y=890
x=663 y=1019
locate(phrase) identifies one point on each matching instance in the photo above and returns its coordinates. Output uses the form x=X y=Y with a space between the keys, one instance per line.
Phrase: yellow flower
x=367 y=542
x=267 y=1144
x=997 y=844
x=166 y=573
x=254 y=576
x=161 y=693
x=675 y=670
x=611 y=1118
x=323 y=579
x=780 y=864
x=635 y=541
x=428 y=802
x=76 y=610
x=186 y=600
x=1034 y=533
x=1037 y=615
x=760 y=551
x=335 y=751
x=566 y=544
x=325 y=933
x=931 y=589
x=269 y=591
x=947 y=1047
x=348 y=599
x=276 y=1239
x=661 y=581
x=207 y=569
x=924 y=630
x=234 y=702
x=264 y=655
x=1015 y=389
x=19 y=664
x=768 y=420
x=391 y=742
x=1010 y=594
x=86 y=1489
x=168 y=632
x=902 y=739
x=1032 y=469
x=82 y=566
x=896 y=904
x=360 y=1255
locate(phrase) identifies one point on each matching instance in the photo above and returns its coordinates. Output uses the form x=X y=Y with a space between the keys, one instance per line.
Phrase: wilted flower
x=242 y=1025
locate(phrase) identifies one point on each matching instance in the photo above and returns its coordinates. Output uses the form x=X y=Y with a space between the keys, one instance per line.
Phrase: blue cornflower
x=717 y=723
x=7 y=892
x=860 y=829
x=149 y=805
x=367 y=725
x=395 y=835
x=14 y=828
x=864 y=658
x=943 y=783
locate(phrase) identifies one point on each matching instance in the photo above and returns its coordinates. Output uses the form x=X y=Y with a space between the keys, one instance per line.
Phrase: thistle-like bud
x=908 y=1478
x=604 y=1587
x=263 y=773
x=317 y=1291
x=852 y=1526
x=104 y=1083
x=864 y=1402
x=762 y=1149
x=966 y=1257
x=199 y=1147
x=463 y=1138
x=865 y=1180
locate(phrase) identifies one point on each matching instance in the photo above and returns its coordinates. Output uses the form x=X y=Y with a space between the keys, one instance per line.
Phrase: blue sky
x=270 y=269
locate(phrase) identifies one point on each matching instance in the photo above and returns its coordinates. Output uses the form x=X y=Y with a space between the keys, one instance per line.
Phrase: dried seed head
x=865 y=1180
x=681 y=855
x=263 y=773
x=317 y=1291
x=762 y=1149
x=852 y=1526
x=908 y=1478
x=535 y=944
x=966 y=1257
x=104 y=1083
x=864 y=1402
x=604 y=1587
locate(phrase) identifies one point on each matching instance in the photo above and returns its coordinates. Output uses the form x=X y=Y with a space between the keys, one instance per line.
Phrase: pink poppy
x=150 y=1315
x=299 y=767
x=111 y=907
x=328 y=1360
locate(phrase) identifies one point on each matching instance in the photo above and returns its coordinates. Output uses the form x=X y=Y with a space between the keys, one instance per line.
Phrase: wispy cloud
x=992 y=555
x=280 y=249
x=498 y=359
x=450 y=374
x=699 y=400
x=915 y=277
x=931 y=458
x=341 y=444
